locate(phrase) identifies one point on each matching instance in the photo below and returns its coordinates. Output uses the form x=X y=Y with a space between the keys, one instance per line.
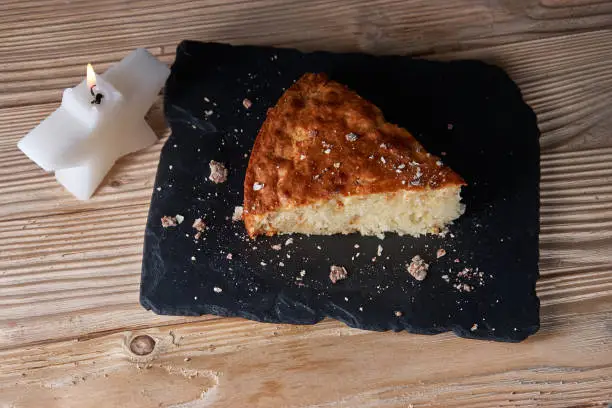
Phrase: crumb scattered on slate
x=237 y=216
x=289 y=241
x=337 y=273
x=398 y=313
x=199 y=225
x=418 y=268
x=229 y=256
x=179 y=218
x=277 y=247
x=474 y=327
x=379 y=250
x=217 y=289
x=168 y=221
x=463 y=287
x=441 y=252
x=247 y=103
x=218 y=172
x=467 y=279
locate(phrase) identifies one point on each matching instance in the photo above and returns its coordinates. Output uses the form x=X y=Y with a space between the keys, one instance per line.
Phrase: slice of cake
x=325 y=162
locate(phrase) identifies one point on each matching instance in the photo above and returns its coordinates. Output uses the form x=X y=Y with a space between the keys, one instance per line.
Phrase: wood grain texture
x=232 y=362
x=69 y=271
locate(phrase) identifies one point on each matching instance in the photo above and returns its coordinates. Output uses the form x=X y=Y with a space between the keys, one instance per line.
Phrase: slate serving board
x=468 y=112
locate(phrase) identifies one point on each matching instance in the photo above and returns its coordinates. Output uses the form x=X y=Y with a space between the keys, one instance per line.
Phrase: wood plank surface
x=69 y=270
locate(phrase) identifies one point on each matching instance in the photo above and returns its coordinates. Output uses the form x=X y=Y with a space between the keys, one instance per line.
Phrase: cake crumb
x=218 y=172
x=199 y=225
x=168 y=221
x=246 y=102
x=217 y=289
x=441 y=252
x=229 y=256
x=179 y=218
x=337 y=273
x=463 y=287
x=379 y=250
x=289 y=241
x=277 y=247
x=474 y=327
x=418 y=268
x=238 y=211
x=398 y=313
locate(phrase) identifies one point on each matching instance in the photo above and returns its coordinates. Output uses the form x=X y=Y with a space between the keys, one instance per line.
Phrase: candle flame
x=91 y=76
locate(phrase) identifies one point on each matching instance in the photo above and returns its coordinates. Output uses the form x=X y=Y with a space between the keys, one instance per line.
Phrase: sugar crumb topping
x=351 y=137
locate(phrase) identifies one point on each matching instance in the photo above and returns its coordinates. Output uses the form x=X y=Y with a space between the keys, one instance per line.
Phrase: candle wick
x=97 y=96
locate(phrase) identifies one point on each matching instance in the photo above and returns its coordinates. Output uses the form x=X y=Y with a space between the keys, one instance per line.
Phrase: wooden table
x=69 y=270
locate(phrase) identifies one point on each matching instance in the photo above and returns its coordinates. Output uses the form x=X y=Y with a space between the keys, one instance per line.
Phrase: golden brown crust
x=302 y=153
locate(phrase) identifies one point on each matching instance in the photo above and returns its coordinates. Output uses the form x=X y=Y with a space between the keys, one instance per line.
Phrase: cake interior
x=411 y=212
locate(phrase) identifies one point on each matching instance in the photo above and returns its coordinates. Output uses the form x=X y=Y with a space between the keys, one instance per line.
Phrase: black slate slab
x=469 y=112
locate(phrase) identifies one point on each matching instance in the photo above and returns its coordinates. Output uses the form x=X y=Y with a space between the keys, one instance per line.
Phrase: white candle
x=81 y=140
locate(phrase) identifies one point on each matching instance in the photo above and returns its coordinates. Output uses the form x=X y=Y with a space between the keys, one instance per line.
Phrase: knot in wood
x=142 y=345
